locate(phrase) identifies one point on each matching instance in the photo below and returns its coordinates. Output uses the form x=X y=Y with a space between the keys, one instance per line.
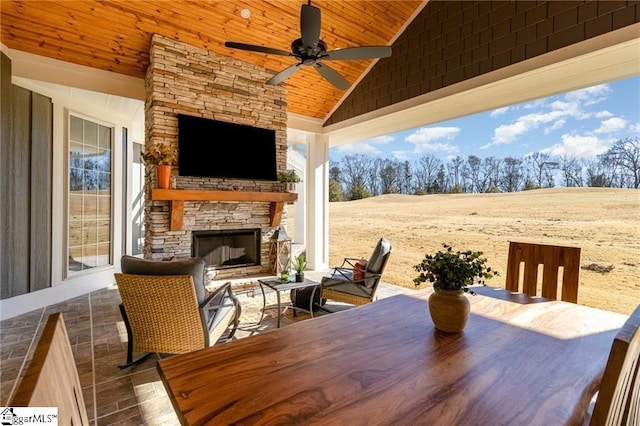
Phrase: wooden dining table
x=520 y=361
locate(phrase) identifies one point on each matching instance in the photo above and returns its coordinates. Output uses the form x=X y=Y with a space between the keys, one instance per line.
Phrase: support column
x=317 y=189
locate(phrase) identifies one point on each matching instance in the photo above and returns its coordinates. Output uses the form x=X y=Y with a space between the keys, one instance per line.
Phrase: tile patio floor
x=135 y=396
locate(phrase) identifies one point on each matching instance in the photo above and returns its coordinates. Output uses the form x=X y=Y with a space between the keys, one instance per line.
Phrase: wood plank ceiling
x=115 y=35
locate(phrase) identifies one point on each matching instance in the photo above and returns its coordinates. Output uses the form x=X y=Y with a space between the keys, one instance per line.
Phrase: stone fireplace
x=183 y=79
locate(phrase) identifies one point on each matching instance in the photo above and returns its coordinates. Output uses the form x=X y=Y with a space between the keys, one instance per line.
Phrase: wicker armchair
x=355 y=284
x=166 y=309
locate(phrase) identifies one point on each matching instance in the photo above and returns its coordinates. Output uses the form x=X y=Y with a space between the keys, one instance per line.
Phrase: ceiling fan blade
x=332 y=76
x=364 y=52
x=284 y=74
x=310 y=26
x=254 y=48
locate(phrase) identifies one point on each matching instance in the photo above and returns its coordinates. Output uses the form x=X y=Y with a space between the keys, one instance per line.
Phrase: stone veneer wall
x=194 y=81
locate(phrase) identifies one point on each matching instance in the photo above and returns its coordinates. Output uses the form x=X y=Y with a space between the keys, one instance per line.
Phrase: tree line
x=359 y=176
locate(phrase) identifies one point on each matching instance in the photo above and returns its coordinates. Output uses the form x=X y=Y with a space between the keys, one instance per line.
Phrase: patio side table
x=279 y=286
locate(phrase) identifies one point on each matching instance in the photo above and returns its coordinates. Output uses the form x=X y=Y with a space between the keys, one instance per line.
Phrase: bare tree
x=389 y=177
x=475 y=175
x=406 y=177
x=492 y=170
x=426 y=172
x=454 y=171
x=356 y=175
x=571 y=170
x=626 y=153
x=512 y=176
x=540 y=168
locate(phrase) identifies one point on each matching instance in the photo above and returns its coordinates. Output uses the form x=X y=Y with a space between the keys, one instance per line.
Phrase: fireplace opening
x=228 y=248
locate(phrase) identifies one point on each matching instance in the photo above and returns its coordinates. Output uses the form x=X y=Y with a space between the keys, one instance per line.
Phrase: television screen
x=211 y=148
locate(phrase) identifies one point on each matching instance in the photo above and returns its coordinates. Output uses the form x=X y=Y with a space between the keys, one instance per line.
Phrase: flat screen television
x=217 y=149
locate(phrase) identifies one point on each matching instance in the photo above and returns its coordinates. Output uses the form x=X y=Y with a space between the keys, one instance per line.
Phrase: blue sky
x=581 y=124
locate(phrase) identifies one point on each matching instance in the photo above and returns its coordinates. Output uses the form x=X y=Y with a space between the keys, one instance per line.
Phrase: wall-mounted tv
x=217 y=149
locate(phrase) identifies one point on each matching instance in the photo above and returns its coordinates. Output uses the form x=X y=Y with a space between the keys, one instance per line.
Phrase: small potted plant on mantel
x=163 y=156
x=451 y=272
x=289 y=178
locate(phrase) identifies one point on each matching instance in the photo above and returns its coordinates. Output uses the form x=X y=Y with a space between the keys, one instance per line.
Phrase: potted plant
x=289 y=178
x=300 y=264
x=451 y=272
x=163 y=157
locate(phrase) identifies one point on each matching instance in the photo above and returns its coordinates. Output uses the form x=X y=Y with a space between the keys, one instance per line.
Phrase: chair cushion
x=338 y=283
x=376 y=261
x=194 y=267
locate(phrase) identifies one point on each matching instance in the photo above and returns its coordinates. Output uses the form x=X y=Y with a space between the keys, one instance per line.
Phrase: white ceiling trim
x=35 y=67
x=599 y=60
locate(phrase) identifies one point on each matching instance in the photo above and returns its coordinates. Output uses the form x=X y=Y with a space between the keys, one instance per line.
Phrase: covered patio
x=450 y=59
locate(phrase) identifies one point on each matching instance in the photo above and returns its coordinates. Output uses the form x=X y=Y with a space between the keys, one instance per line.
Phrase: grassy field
x=605 y=223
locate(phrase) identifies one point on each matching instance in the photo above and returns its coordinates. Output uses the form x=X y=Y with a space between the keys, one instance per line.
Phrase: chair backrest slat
x=52 y=380
x=552 y=258
x=618 y=400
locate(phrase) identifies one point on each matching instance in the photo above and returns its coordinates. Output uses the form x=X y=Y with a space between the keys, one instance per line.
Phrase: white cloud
x=635 y=127
x=499 y=111
x=558 y=110
x=590 y=95
x=425 y=139
x=613 y=124
x=402 y=155
x=555 y=126
x=578 y=146
x=381 y=140
x=603 y=114
x=358 y=148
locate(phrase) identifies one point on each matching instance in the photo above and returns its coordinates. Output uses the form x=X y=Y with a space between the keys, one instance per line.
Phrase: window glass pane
x=104 y=250
x=90 y=207
x=104 y=161
x=90 y=133
x=90 y=181
x=104 y=137
x=89 y=232
x=89 y=197
x=75 y=179
x=75 y=206
x=104 y=231
x=75 y=129
x=104 y=181
x=75 y=258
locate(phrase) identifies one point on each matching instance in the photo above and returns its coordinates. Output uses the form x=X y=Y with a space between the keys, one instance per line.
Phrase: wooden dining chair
x=52 y=380
x=618 y=401
x=552 y=258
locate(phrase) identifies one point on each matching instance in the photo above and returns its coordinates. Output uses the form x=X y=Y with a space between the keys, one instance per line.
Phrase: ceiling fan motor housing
x=308 y=55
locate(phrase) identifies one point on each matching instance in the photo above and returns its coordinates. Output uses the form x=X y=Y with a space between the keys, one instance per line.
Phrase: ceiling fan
x=311 y=51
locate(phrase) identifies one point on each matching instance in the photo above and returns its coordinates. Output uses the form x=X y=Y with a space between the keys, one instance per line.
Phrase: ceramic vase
x=164 y=176
x=449 y=310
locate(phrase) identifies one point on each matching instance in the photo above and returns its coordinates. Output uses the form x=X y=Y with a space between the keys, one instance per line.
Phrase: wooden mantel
x=177 y=197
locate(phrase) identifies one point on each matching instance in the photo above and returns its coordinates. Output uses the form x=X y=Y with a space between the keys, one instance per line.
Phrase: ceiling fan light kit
x=310 y=50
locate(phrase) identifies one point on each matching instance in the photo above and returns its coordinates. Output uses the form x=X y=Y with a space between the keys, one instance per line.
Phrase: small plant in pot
x=163 y=157
x=289 y=178
x=300 y=264
x=451 y=272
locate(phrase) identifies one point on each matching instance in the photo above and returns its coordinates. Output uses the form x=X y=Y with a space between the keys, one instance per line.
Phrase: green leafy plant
x=299 y=263
x=289 y=176
x=453 y=270
x=160 y=155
